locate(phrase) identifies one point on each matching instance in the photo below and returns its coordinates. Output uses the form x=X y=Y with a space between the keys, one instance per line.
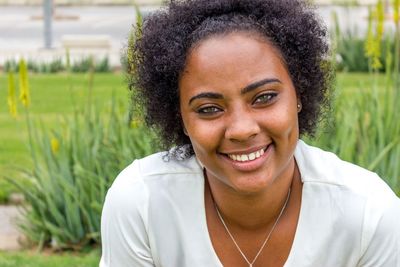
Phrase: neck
x=254 y=211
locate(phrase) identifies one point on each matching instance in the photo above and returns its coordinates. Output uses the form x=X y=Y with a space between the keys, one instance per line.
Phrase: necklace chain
x=266 y=239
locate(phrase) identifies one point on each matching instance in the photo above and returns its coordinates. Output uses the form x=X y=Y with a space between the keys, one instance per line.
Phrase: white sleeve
x=384 y=248
x=124 y=223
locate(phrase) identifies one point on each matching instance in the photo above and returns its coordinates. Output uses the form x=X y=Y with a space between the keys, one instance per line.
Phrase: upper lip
x=247 y=151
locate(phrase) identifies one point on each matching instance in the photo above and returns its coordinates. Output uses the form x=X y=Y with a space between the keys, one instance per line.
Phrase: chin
x=250 y=185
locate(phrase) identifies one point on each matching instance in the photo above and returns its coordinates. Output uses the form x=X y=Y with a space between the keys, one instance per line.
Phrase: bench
x=70 y=41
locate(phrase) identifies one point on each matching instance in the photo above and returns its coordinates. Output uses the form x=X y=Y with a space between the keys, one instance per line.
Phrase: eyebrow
x=255 y=85
x=245 y=90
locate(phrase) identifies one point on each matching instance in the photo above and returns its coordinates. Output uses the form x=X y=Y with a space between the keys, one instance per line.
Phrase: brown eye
x=265 y=98
x=210 y=110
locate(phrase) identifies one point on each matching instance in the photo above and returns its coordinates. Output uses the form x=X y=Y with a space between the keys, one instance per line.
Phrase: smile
x=247 y=157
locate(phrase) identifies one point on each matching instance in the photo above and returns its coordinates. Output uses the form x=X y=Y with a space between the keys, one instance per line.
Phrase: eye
x=265 y=98
x=208 y=110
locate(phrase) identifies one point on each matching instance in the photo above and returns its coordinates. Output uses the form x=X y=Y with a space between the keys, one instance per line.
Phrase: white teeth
x=252 y=156
x=247 y=157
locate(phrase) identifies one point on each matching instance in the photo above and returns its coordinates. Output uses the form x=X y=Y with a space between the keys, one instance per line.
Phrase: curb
x=10 y=236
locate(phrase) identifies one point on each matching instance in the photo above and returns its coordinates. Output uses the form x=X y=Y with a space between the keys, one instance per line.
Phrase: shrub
x=83 y=65
x=10 y=65
x=103 y=66
x=88 y=63
x=57 y=65
x=73 y=167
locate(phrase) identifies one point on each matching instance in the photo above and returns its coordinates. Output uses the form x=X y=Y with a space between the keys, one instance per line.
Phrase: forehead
x=233 y=37
x=238 y=57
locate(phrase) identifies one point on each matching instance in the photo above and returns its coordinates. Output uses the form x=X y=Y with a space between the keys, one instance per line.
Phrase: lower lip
x=251 y=165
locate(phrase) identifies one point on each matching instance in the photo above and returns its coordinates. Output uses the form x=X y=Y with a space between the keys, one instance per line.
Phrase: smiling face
x=239 y=109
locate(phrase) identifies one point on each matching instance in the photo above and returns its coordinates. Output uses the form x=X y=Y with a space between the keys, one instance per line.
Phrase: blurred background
x=42 y=30
x=67 y=125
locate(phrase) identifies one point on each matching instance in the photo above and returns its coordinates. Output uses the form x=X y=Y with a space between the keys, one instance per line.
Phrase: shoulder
x=321 y=167
x=160 y=164
x=127 y=213
x=382 y=242
x=361 y=201
x=134 y=181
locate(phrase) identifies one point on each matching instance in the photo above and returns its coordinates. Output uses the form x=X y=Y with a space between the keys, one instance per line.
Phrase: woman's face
x=239 y=109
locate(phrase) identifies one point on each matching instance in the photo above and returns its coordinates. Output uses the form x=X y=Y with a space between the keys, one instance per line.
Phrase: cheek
x=283 y=123
x=204 y=135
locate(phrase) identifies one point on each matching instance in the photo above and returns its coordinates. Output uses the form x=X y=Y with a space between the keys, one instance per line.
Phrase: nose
x=241 y=126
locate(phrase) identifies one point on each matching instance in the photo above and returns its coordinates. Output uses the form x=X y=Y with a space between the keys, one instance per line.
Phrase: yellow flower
x=396 y=7
x=373 y=44
x=55 y=145
x=11 y=99
x=23 y=83
x=133 y=35
x=380 y=13
x=135 y=123
x=369 y=45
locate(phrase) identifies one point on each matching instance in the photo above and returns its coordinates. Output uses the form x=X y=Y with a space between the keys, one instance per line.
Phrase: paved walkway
x=9 y=234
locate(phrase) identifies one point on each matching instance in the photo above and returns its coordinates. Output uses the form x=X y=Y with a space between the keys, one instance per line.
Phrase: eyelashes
x=209 y=110
x=261 y=100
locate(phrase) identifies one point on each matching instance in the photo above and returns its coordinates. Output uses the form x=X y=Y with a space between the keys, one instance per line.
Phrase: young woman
x=232 y=84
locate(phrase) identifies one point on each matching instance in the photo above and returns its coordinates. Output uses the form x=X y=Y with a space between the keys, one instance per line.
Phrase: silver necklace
x=266 y=239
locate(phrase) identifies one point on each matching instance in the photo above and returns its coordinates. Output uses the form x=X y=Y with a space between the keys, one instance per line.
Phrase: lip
x=248 y=166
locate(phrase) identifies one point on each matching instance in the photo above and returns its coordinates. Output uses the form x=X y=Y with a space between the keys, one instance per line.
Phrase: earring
x=299 y=107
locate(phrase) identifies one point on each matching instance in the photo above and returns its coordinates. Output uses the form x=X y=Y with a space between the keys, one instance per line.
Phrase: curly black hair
x=168 y=35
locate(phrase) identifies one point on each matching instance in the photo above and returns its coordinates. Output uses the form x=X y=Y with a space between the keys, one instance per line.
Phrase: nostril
x=242 y=133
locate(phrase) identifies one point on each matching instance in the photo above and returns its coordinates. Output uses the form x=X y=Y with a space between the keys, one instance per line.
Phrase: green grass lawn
x=52 y=97
x=30 y=259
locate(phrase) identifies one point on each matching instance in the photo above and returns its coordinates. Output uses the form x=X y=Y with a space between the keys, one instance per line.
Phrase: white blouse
x=154 y=215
